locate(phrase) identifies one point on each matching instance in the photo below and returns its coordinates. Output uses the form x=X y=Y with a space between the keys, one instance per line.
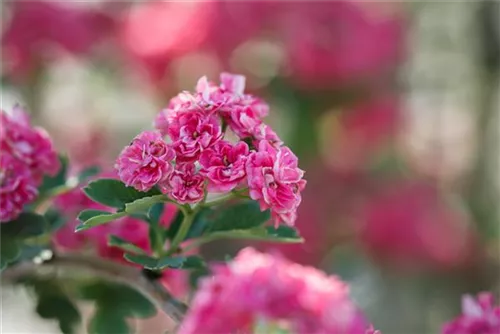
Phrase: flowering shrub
x=212 y=169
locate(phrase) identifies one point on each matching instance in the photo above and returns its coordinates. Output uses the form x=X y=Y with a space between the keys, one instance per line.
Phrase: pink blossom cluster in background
x=27 y=154
x=196 y=124
x=330 y=43
x=479 y=316
x=130 y=229
x=61 y=28
x=272 y=290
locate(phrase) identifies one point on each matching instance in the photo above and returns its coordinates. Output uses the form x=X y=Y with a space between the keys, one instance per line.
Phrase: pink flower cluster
x=198 y=155
x=27 y=154
x=272 y=290
x=480 y=316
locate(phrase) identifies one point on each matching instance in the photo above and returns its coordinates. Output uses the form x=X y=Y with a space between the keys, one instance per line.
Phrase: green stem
x=183 y=230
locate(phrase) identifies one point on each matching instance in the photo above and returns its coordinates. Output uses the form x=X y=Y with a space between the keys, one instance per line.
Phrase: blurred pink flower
x=360 y=132
x=146 y=162
x=339 y=42
x=17 y=187
x=38 y=28
x=479 y=316
x=30 y=145
x=185 y=185
x=155 y=33
x=275 y=181
x=224 y=165
x=271 y=289
x=410 y=224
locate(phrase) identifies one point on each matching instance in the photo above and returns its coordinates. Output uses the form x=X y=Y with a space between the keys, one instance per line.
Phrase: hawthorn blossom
x=275 y=181
x=30 y=145
x=185 y=185
x=192 y=133
x=479 y=316
x=224 y=165
x=17 y=187
x=271 y=289
x=145 y=162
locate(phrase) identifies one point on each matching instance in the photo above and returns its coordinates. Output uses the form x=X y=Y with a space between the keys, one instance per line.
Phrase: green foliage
x=13 y=233
x=115 y=193
x=53 y=303
x=124 y=244
x=153 y=263
x=51 y=182
x=282 y=234
x=193 y=262
x=240 y=216
x=114 y=303
x=91 y=218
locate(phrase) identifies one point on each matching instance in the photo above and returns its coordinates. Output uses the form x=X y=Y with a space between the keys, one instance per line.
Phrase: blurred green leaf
x=10 y=250
x=115 y=241
x=53 y=303
x=88 y=173
x=114 y=303
x=193 y=262
x=50 y=182
x=155 y=212
x=152 y=263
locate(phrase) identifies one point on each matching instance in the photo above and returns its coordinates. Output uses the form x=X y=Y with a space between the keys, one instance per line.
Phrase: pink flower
x=243 y=121
x=193 y=132
x=182 y=103
x=17 y=188
x=271 y=290
x=224 y=165
x=412 y=224
x=59 y=27
x=479 y=316
x=146 y=161
x=275 y=180
x=185 y=185
x=30 y=145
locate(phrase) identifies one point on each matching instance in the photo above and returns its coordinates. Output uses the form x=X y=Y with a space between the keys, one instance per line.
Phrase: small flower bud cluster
x=198 y=158
x=26 y=155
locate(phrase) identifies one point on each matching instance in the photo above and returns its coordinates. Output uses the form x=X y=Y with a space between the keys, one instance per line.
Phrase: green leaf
x=155 y=212
x=114 y=303
x=27 y=225
x=115 y=193
x=88 y=173
x=198 y=227
x=105 y=322
x=13 y=233
x=124 y=244
x=194 y=262
x=53 y=303
x=118 y=299
x=54 y=220
x=240 y=216
x=91 y=218
x=283 y=234
x=152 y=263
x=145 y=203
x=50 y=182
x=10 y=250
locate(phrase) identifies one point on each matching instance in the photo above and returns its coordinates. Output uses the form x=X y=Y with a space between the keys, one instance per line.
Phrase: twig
x=131 y=276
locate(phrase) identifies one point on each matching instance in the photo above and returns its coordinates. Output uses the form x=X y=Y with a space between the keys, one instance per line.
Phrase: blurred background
x=392 y=107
